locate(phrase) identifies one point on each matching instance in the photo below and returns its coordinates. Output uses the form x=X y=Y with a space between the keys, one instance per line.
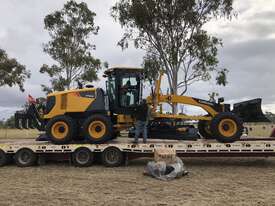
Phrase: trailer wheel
x=83 y=157
x=3 y=158
x=204 y=129
x=112 y=157
x=61 y=129
x=25 y=158
x=98 y=129
x=226 y=127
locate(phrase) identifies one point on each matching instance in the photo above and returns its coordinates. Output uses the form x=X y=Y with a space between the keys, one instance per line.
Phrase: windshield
x=129 y=91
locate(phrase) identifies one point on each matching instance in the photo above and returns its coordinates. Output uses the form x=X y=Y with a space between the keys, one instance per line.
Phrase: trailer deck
x=117 y=151
x=252 y=145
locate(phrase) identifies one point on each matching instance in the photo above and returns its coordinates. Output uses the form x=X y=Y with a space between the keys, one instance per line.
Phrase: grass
x=18 y=134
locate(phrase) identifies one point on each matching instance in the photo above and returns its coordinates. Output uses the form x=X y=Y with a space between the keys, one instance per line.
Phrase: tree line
x=171 y=32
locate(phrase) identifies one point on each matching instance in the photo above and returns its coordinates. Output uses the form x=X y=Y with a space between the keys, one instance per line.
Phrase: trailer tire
x=82 y=157
x=61 y=129
x=25 y=158
x=204 y=129
x=112 y=157
x=98 y=129
x=3 y=158
x=226 y=127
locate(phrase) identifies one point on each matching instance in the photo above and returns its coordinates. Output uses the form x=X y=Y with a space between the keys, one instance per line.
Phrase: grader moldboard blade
x=250 y=111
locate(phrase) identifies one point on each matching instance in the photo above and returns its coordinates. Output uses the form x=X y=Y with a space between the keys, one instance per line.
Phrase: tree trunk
x=174 y=91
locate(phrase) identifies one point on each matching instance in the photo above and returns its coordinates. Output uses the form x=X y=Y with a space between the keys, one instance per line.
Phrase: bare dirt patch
x=212 y=181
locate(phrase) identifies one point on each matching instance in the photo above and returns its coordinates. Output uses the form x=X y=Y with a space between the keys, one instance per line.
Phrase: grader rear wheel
x=227 y=127
x=98 y=129
x=61 y=129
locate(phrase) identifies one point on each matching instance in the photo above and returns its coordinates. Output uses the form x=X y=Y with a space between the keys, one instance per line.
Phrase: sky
x=248 y=50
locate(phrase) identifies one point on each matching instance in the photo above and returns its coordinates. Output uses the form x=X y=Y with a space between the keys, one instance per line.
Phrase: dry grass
x=215 y=181
x=212 y=181
x=18 y=134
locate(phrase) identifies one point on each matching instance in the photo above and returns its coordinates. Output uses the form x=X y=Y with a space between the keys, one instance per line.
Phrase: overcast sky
x=248 y=51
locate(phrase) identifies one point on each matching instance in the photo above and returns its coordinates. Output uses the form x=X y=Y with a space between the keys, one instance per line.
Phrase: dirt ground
x=212 y=181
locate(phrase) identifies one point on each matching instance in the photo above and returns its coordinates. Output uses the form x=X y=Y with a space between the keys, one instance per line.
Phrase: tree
x=70 y=29
x=12 y=72
x=172 y=34
x=10 y=122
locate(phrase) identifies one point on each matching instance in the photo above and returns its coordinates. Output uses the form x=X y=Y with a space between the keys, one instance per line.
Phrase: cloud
x=248 y=51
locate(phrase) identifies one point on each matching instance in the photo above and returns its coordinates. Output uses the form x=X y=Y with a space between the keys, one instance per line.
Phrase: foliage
x=270 y=116
x=213 y=96
x=12 y=72
x=172 y=34
x=70 y=29
x=8 y=123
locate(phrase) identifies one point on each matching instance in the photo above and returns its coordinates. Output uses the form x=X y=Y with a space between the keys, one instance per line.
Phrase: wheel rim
x=228 y=127
x=60 y=130
x=83 y=157
x=112 y=157
x=25 y=157
x=97 y=129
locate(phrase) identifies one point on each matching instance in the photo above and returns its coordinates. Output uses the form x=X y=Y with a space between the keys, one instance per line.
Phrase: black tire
x=3 y=158
x=226 y=127
x=204 y=129
x=83 y=157
x=61 y=129
x=112 y=157
x=98 y=129
x=25 y=158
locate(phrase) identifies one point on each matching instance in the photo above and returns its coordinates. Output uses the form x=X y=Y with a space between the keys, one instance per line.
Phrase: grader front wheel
x=226 y=127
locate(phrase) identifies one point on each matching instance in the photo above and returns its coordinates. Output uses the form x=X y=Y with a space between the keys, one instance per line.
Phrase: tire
x=61 y=129
x=98 y=129
x=204 y=129
x=3 y=158
x=25 y=158
x=112 y=157
x=83 y=157
x=226 y=127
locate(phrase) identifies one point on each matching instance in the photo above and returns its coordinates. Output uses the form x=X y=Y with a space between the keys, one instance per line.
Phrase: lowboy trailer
x=28 y=152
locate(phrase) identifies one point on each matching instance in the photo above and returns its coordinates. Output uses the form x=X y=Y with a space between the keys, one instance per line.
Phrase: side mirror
x=220 y=100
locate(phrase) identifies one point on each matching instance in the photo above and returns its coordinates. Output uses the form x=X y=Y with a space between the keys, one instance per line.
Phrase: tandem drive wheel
x=82 y=157
x=25 y=158
x=61 y=129
x=97 y=129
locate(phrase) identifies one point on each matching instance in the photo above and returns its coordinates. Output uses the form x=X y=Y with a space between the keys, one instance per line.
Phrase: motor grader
x=95 y=116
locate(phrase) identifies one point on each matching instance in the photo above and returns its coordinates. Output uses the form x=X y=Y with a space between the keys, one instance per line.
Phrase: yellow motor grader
x=97 y=116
